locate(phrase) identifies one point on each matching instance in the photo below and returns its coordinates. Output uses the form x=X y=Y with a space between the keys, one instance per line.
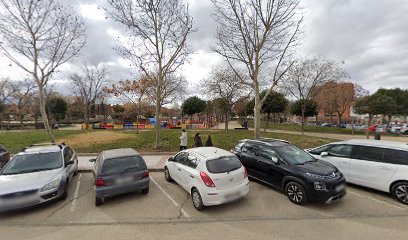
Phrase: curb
x=141 y=153
x=150 y=170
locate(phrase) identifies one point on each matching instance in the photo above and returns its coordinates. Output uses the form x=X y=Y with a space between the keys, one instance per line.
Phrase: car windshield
x=223 y=164
x=294 y=155
x=33 y=162
x=123 y=164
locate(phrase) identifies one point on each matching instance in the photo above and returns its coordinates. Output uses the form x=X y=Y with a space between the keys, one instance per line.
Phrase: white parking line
x=376 y=200
x=169 y=197
x=73 y=205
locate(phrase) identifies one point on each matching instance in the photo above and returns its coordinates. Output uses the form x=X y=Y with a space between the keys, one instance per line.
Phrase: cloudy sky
x=369 y=37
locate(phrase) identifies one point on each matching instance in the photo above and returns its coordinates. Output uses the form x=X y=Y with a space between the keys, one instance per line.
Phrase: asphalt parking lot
x=167 y=213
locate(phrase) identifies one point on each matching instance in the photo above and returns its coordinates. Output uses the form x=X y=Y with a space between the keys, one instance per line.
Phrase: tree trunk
x=21 y=119
x=157 y=127
x=226 y=122
x=88 y=115
x=331 y=118
x=370 y=118
x=44 y=116
x=267 y=121
x=340 y=116
x=137 y=122
x=257 y=114
x=303 y=120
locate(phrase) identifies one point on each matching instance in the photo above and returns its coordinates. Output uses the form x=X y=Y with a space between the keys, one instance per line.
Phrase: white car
x=211 y=175
x=381 y=165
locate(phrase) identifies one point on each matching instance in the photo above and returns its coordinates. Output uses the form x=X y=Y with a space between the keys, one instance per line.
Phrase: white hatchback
x=211 y=175
x=381 y=165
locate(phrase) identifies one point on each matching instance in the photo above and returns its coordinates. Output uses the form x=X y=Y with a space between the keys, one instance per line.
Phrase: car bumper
x=212 y=197
x=330 y=195
x=15 y=203
x=110 y=191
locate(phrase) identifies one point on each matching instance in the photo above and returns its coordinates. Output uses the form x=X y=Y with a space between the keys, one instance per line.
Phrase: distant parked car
x=381 y=129
x=404 y=129
x=36 y=175
x=211 y=175
x=4 y=156
x=373 y=127
x=381 y=165
x=327 y=125
x=284 y=166
x=119 y=171
x=396 y=128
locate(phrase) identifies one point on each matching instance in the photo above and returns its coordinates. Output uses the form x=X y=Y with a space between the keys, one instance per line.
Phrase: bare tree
x=306 y=75
x=227 y=86
x=7 y=90
x=157 y=43
x=23 y=97
x=89 y=86
x=258 y=35
x=40 y=36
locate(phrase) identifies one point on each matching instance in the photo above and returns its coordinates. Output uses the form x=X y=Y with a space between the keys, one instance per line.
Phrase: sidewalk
x=155 y=163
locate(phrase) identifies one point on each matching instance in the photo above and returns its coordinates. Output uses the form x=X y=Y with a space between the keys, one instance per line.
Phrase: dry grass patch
x=92 y=138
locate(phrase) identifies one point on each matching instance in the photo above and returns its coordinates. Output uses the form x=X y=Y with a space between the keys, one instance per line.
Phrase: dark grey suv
x=119 y=171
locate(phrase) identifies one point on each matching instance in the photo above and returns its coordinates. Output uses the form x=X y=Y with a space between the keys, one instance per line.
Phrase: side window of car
x=192 y=161
x=238 y=147
x=374 y=154
x=396 y=156
x=340 y=150
x=265 y=152
x=67 y=155
x=180 y=158
x=249 y=149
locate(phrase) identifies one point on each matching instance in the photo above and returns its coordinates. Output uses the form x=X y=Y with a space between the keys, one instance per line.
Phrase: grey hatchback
x=119 y=171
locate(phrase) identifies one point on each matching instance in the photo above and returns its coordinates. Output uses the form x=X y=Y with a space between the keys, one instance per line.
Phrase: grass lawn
x=95 y=141
x=297 y=128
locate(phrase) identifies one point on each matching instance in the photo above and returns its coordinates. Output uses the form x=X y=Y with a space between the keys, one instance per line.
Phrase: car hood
x=27 y=181
x=319 y=168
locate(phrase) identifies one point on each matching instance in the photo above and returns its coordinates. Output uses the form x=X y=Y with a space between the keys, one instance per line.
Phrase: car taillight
x=207 y=180
x=99 y=182
x=246 y=173
x=146 y=174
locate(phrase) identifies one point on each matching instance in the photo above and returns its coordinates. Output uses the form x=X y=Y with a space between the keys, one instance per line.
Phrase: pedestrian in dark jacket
x=209 y=143
x=197 y=140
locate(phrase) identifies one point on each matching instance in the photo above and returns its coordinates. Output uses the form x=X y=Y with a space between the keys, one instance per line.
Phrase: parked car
x=381 y=165
x=381 y=129
x=36 y=175
x=357 y=126
x=211 y=175
x=327 y=125
x=404 y=129
x=119 y=171
x=373 y=127
x=285 y=166
x=396 y=128
x=4 y=156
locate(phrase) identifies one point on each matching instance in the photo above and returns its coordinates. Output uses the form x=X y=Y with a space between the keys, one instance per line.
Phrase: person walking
x=197 y=140
x=183 y=140
x=209 y=143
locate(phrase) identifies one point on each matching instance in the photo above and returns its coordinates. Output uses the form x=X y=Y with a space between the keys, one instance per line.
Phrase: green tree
x=304 y=108
x=57 y=107
x=274 y=103
x=193 y=105
x=399 y=97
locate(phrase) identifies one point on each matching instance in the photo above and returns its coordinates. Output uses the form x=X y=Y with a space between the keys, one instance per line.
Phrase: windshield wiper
x=314 y=160
x=28 y=171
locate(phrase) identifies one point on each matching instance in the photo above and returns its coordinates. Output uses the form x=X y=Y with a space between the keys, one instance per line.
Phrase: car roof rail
x=60 y=145
x=274 y=139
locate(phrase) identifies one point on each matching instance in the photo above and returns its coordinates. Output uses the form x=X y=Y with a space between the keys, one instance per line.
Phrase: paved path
x=153 y=162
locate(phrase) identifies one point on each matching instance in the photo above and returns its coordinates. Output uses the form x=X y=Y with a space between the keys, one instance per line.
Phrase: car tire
x=65 y=193
x=98 y=201
x=296 y=193
x=145 y=190
x=167 y=175
x=197 y=200
x=400 y=192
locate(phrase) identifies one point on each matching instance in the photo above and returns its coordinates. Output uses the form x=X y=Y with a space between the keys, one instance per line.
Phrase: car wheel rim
x=295 y=193
x=196 y=199
x=402 y=193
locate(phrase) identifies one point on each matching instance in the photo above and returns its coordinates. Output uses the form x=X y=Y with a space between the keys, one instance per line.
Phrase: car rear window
x=123 y=164
x=223 y=164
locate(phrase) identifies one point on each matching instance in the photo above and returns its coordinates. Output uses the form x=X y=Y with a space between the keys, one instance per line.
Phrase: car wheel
x=65 y=193
x=296 y=193
x=167 y=175
x=400 y=192
x=197 y=200
x=98 y=201
x=145 y=190
x=76 y=172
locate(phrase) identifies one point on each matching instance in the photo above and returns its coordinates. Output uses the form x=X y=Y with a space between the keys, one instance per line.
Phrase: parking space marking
x=377 y=200
x=74 y=201
x=169 y=197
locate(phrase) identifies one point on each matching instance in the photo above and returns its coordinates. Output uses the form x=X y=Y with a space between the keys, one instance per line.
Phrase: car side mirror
x=69 y=163
x=324 y=154
x=92 y=160
x=275 y=160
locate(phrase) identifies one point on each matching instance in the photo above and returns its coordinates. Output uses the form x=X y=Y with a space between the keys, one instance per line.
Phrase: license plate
x=232 y=196
x=124 y=180
x=340 y=187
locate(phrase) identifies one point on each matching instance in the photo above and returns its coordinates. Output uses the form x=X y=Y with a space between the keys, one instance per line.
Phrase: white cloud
x=92 y=11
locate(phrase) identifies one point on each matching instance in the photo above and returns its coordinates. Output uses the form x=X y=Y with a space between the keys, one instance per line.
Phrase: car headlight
x=320 y=186
x=51 y=185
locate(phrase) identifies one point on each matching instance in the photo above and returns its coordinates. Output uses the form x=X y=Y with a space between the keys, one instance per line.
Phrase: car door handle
x=179 y=169
x=191 y=176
